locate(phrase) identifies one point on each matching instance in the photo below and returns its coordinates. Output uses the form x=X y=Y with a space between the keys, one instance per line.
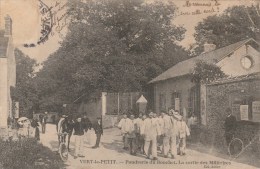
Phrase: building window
x=176 y=101
x=246 y=62
x=162 y=102
x=194 y=100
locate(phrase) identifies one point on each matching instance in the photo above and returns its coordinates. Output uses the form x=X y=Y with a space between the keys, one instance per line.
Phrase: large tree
x=25 y=91
x=235 y=24
x=112 y=45
x=204 y=73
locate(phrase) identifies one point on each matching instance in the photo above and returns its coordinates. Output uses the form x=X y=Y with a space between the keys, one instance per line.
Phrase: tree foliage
x=206 y=73
x=235 y=24
x=25 y=91
x=111 y=45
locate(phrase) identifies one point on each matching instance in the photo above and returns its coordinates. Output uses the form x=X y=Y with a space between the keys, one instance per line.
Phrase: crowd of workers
x=166 y=131
x=146 y=134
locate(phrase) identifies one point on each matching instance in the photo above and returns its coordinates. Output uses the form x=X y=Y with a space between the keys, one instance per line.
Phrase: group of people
x=78 y=127
x=30 y=127
x=166 y=131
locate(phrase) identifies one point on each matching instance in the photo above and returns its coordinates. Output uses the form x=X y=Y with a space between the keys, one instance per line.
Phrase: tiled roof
x=3 y=45
x=185 y=67
x=251 y=76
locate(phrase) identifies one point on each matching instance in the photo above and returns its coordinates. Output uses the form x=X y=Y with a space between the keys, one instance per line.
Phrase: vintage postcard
x=129 y=84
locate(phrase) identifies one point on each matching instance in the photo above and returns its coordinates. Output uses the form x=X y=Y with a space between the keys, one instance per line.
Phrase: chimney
x=209 y=47
x=8 y=26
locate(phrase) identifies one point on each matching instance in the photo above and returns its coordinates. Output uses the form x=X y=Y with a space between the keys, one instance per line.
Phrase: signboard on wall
x=244 y=112
x=256 y=111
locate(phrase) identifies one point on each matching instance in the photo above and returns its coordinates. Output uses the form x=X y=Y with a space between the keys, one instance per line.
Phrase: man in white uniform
x=166 y=133
x=123 y=127
x=183 y=131
x=173 y=132
x=150 y=130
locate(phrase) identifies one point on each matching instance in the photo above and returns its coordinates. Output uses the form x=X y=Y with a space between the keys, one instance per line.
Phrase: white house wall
x=11 y=74
x=11 y=64
x=232 y=65
x=4 y=91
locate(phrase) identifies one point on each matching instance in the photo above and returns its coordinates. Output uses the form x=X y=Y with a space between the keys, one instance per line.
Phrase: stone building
x=242 y=95
x=174 y=88
x=7 y=71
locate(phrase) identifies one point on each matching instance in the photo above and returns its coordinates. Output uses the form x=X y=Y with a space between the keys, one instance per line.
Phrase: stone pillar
x=8 y=26
x=104 y=103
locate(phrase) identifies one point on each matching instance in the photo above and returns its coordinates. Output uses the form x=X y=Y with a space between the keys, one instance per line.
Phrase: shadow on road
x=117 y=146
x=247 y=157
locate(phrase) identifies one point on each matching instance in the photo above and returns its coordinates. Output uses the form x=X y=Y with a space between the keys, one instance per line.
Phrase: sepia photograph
x=106 y=84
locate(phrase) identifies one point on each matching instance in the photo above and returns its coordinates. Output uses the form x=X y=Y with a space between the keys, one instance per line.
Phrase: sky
x=27 y=21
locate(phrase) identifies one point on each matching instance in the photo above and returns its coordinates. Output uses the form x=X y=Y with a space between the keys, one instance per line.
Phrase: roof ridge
x=245 y=40
x=229 y=49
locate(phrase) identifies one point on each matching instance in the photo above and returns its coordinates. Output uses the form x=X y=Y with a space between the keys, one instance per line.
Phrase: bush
x=27 y=154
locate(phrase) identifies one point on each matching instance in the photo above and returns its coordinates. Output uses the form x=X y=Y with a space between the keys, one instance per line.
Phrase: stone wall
x=219 y=99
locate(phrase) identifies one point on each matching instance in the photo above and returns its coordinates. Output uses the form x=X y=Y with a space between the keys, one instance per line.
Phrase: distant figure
x=35 y=125
x=229 y=125
x=98 y=131
x=192 y=121
x=43 y=121
x=53 y=119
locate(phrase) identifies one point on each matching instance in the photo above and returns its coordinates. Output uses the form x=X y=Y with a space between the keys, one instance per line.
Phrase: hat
x=177 y=115
x=150 y=113
x=171 y=111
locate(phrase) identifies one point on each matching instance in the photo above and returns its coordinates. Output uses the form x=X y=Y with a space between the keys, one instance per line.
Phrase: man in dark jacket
x=99 y=131
x=79 y=136
x=35 y=125
x=86 y=122
x=230 y=126
x=43 y=121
